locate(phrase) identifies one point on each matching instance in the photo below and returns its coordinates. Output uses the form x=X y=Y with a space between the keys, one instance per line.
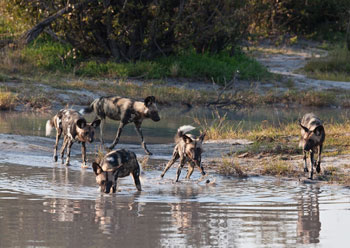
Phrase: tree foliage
x=310 y=17
x=136 y=29
x=128 y=30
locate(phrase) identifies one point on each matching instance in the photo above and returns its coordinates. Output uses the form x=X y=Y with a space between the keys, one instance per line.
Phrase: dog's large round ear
x=81 y=123
x=186 y=139
x=97 y=168
x=318 y=130
x=305 y=128
x=96 y=123
x=149 y=100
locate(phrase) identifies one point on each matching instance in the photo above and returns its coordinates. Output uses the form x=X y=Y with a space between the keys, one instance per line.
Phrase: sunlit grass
x=334 y=67
x=8 y=100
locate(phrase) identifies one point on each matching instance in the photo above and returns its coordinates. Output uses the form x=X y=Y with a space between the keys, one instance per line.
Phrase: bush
x=133 y=30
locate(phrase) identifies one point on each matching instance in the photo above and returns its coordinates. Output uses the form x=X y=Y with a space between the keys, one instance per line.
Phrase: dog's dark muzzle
x=107 y=188
x=155 y=118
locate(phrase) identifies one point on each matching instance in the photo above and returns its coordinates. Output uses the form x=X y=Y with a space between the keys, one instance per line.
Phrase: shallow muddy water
x=60 y=207
x=45 y=204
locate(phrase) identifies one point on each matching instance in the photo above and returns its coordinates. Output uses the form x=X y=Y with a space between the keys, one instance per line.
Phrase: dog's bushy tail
x=89 y=109
x=182 y=130
x=49 y=127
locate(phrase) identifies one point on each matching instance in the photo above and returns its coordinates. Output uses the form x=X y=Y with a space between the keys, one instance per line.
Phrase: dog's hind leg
x=116 y=139
x=69 y=146
x=171 y=162
x=190 y=170
x=318 y=167
x=58 y=136
x=305 y=162
x=181 y=165
x=139 y=132
x=201 y=168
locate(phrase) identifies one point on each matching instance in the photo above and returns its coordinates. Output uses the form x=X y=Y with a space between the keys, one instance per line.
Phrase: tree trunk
x=33 y=33
x=348 y=33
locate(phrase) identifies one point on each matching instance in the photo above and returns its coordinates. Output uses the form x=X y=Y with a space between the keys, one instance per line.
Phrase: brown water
x=44 y=204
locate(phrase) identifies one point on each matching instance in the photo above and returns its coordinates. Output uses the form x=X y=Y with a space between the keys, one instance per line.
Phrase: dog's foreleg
x=101 y=131
x=312 y=164
x=139 y=132
x=69 y=146
x=119 y=132
x=136 y=176
x=115 y=181
x=58 y=136
x=190 y=170
x=318 y=167
x=171 y=162
x=63 y=148
x=305 y=162
x=83 y=155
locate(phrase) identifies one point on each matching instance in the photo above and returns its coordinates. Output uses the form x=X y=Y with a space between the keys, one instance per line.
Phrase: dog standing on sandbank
x=312 y=138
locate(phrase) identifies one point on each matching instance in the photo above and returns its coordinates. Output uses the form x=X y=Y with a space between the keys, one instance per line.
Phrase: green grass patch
x=46 y=56
x=335 y=66
x=50 y=56
x=219 y=67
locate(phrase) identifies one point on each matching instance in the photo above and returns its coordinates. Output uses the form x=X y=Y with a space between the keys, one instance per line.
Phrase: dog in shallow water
x=119 y=163
x=74 y=128
x=125 y=110
x=312 y=138
x=188 y=148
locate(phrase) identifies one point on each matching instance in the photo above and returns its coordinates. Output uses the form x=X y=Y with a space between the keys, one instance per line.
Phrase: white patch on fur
x=48 y=128
x=69 y=134
x=82 y=111
x=185 y=128
x=110 y=159
x=119 y=160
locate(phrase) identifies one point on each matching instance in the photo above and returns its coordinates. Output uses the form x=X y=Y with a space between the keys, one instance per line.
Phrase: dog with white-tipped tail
x=188 y=148
x=74 y=127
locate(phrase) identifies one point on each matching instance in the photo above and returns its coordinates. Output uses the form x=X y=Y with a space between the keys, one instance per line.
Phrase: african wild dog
x=312 y=138
x=189 y=149
x=119 y=163
x=74 y=128
x=126 y=111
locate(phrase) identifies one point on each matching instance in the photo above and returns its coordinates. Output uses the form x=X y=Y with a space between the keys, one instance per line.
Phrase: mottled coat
x=312 y=138
x=125 y=110
x=74 y=128
x=188 y=148
x=119 y=163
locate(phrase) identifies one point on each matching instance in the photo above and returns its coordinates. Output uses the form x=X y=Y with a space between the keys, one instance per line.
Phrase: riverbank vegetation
x=275 y=150
x=198 y=40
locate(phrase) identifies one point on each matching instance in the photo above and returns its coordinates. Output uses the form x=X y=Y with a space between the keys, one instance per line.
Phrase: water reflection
x=234 y=213
x=309 y=225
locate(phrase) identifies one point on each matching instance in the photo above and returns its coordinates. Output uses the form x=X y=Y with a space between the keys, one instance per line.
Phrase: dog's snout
x=108 y=187
x=156 y=118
